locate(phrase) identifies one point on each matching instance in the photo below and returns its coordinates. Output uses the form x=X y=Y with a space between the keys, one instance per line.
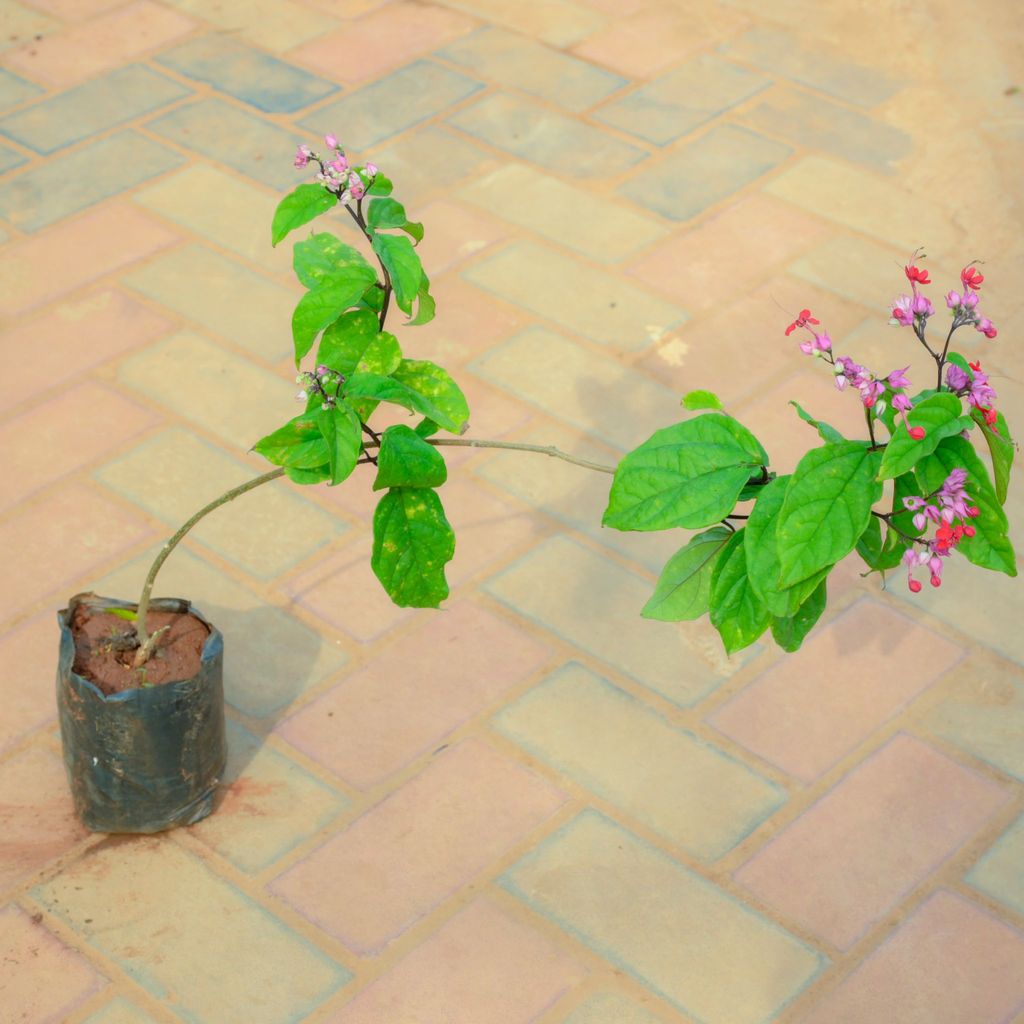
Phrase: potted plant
x=139 y=685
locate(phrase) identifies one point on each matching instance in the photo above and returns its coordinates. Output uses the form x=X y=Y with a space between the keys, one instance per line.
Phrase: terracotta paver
x=533 y=806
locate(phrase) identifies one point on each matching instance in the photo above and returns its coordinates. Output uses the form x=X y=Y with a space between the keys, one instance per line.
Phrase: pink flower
x=953 y=299
x=984 y=325
x=371 y=170
x=921 y=306
x=331 y=141
x=339 y=164
x=820 y=343
x=899 y=379
x=902 y=311
x=302 y=155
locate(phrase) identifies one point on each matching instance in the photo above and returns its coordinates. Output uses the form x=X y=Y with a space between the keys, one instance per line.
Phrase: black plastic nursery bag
x=148 y=759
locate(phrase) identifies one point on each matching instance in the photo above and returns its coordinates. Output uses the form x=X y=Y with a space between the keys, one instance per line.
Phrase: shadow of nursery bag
x=146 y=757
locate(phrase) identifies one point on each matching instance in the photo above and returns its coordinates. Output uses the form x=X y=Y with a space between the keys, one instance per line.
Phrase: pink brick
x=68 y=255
x=421 y=687
x=41 y=979
x=481 y=966
x=419 y=846
x=28 y=654
x=100 y=44
x=70 y=338
x=863 y=846
x=64 y=434
x=354 y=54
x=815 y=706
x=37 y=818
x=51 y=544
x=725 y=254
x=950 y=963
x=456 y=234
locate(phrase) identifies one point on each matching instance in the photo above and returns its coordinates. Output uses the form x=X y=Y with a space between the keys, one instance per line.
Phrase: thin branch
x=460 y=442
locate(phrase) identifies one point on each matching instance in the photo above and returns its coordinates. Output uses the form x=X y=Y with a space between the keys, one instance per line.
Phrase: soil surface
x=102 y=657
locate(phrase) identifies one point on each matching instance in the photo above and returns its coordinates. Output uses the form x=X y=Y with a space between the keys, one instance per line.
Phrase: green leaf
x=761 y=547
x=322 y=256
x=689 y=474
x=959 y=360
x=381 y=186
x=426 y=428
x=880 y=554
x=406 y=460
x=826 y=508
x=790 y=632
x=412 y=542
x=989 y=547
x=684 y=587
x=701 y=400
x=298 y=444
x=322 y=306
x=305 y=477
x=354 y=343
x=300 y=207
x=425 y=307
x=122 y=613
x=825 y=431
x=738 y=614
x=386 y=213
x=344 y=435
x=941 y=416
x=435 y=386
x=1000 y=447
x=403 y=266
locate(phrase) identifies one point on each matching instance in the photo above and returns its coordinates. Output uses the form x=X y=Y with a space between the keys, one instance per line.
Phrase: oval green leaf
x=790 y=632
x=684 y=587
x=406 y=460
x=738 y=614
x=300 y=207
x=298 y=444
x=940 y=415
x=321 y=256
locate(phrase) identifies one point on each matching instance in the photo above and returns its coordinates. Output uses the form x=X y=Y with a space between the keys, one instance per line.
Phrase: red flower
x=976 y=367
x=971 y=278
x=914 y=274
x=990 y=417
x=917 y=433
x=802 y=320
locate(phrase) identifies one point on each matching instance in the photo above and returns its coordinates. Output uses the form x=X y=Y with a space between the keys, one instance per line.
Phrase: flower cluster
x=317 y=382
x=948 y=507
x=914 y=310
x=336 y=174
x=976 y=387
x=908 y=310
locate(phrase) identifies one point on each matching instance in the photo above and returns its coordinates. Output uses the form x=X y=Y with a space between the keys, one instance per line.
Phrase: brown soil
x=103 y=657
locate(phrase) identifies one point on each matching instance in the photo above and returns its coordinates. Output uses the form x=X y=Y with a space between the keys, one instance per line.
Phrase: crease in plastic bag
x=148 y=759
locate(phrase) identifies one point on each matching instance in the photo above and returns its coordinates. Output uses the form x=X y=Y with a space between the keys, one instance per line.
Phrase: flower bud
x=330 y=140
x=917 y=433
x=914 y=585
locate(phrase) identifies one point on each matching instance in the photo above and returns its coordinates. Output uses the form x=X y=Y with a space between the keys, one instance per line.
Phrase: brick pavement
x=534 y=806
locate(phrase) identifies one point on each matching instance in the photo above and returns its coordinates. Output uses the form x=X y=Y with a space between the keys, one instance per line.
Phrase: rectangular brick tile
x=29 y=652
x=556 y=22
x=223 y=296
x=15 y=90
x=274 y=25
x=102 y=43
x=353 y=54
x=455 y=233
x=39 y=559
x=265 y=533
x=612 y=744
x=36 y=814
x=694 y=945
x=249 y=75
x=63 y=434
x=257 y=149
x=812 y=121
x=951 y=961
x=519 y=63
x=533 y=132
x=588 y=390
x=120 y=1011
x=176 y=948
x=728 y=252
x=983 y=711
x=390 y=105
x=41 y=978
x=566 y=214
x=91 y=108
x=222 y=209
x=52 y=191
x=883 y=829
x=594 y=603
x=380 y=718
x=861 y=201
x=701 y=173
x=811 y=709
x=646 y=42
x=563 y=289
x=1000 y=871
x=675 y=103
x=37 y=270
x=611 y=1008
x=430 y=161
x=272 y=658
x=70 y=338
x=796 y=56
x=411 y=851
x=22 y=23
x=268 y=804
x=482 y=965
x=203 y=383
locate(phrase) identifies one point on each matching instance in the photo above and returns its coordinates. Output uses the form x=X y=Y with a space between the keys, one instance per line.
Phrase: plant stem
x=871 y=425
x=146 y=642
x=940 y=361
x=460 y=442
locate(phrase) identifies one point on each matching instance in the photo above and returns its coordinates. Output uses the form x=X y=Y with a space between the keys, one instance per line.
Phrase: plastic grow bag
x=148 y=759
